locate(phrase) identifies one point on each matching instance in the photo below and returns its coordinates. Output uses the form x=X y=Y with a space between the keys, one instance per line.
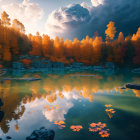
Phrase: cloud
x=97 y=2
x=27 y=12
x=72 y=95
x=69 y=17
x=81 y=20
x=58 y=114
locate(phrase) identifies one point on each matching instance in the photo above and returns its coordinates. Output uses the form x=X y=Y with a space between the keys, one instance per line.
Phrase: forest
x=123 y=51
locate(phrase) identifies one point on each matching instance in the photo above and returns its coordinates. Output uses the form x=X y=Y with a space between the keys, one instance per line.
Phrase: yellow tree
x=136 y=36
x=47 y=46
x=5 y=19
x=76 y=47
x=36 y=44
x=17 y=25
x=97 y=46
x=85 y=50
x=58 y=47
x=111 y=30
x=68 y=48
x=120 y=38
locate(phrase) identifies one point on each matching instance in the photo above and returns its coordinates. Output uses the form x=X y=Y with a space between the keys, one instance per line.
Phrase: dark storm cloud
x=125 y=14
x=67 y=18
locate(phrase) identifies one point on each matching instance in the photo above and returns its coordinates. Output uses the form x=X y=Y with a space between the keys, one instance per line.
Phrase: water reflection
x=53 y=95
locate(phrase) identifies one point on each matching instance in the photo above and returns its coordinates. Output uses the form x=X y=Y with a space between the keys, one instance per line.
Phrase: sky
x=74 y=18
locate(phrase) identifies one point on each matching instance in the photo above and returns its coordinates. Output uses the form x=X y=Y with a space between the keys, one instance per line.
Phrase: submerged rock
x=133 y=86
x=42 y=134
x=8 y=137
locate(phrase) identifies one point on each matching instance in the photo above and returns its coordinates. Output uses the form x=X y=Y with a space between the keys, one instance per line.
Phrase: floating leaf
x=104 y=133
x=61 y=124
x=99 y=127
x=95 y=129
x=108 y=105
x=110 y=110
x=93 y=124
x=76 y=127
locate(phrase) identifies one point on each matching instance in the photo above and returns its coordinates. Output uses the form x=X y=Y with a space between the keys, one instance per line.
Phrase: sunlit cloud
x=58 y=114
x=72 y=16
x=97 y=2
x=29 y=13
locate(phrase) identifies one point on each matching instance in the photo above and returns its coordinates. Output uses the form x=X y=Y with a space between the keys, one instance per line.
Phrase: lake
x=76 y=105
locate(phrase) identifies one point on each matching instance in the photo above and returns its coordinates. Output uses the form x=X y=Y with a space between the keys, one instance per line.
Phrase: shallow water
x=77 y=99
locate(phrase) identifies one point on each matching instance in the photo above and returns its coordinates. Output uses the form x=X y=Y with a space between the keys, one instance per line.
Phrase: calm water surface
x=73 y=98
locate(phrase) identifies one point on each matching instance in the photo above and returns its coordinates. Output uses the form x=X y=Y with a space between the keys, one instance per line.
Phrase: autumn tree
x=120 y=38
x=68 y=48
x=97 y=46
x=47 y=46
x=136 y=43
x=58 y=47
x=111 y=30
x=5 y=20
x=76 y=49
x=36 y=45
x=136 y=36
x=17 y=25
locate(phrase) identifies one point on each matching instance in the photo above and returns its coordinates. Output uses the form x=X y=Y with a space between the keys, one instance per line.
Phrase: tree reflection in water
x=54 y=92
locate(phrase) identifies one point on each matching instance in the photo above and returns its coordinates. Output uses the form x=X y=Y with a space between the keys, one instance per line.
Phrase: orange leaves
x=5 y=19
x=108 y=105
x=93 y=125
x=61 y=124
x=76 y=128
x=99 y=127
x=50 y=108
x=17 y=25
x=120 y=38
x=109 y=111
x=104 y=133
x=136 y=36
x=111 y=30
